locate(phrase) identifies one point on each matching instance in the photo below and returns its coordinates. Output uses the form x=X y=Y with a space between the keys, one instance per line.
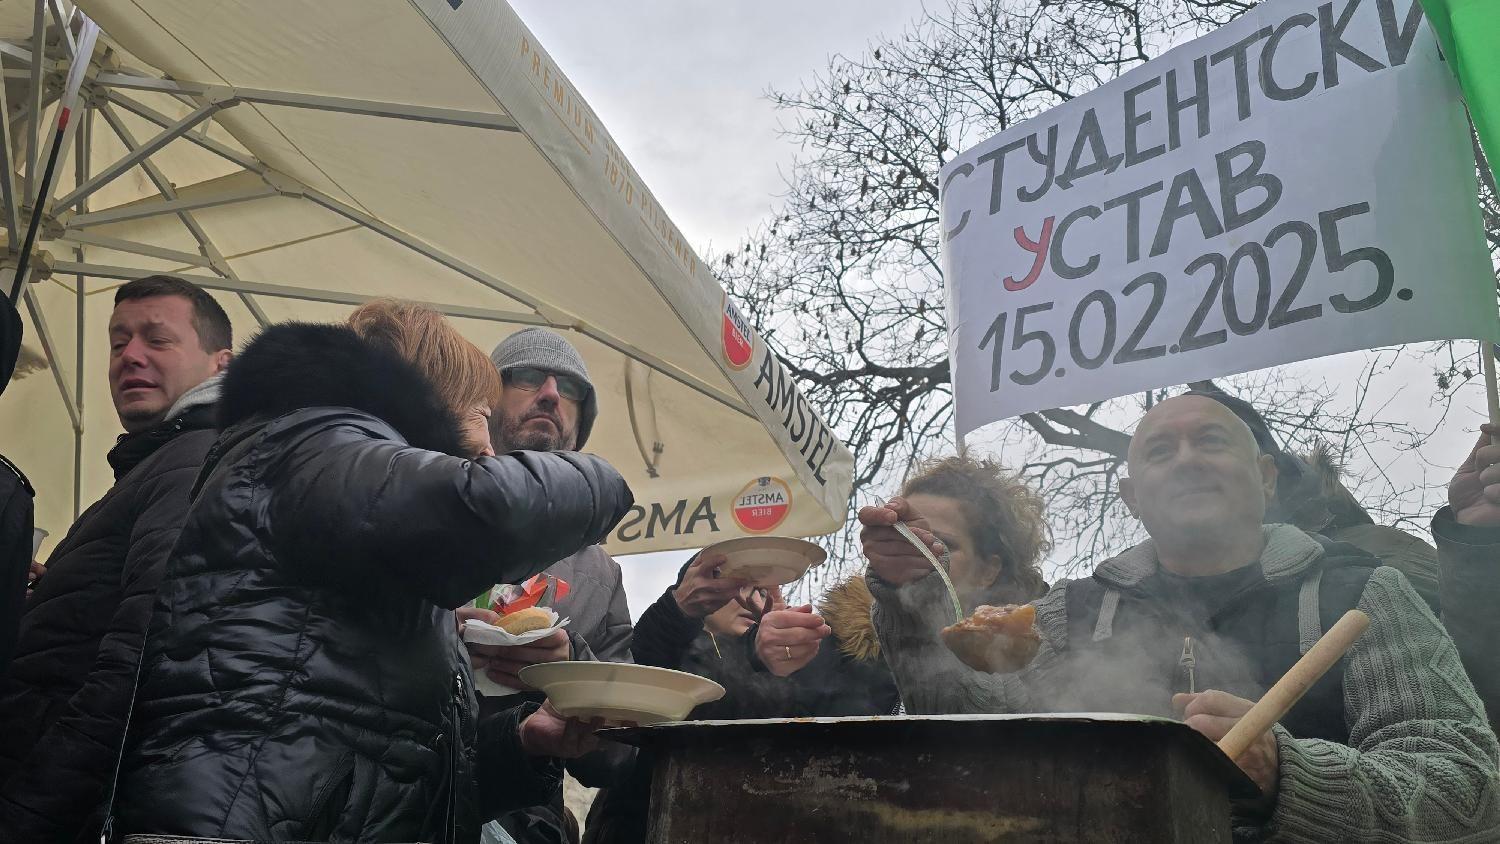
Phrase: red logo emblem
x=762 y=505
x=739 y=343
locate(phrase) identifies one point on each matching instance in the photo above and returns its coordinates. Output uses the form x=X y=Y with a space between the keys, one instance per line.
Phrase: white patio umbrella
x=300 y=158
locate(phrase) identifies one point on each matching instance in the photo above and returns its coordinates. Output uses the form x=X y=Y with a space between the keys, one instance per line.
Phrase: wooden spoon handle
x=1295 y=683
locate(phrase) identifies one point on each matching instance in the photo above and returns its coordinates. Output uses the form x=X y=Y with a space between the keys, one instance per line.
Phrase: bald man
x=1201 y=618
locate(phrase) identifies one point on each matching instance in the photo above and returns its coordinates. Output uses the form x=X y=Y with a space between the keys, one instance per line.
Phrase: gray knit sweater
x=1422 y=764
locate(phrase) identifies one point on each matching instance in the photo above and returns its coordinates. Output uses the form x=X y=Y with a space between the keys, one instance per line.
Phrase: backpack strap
x=1105 y=626
x=1309 y=618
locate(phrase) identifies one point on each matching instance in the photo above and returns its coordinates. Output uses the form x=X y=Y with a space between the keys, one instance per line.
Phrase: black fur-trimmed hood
x=298 y=365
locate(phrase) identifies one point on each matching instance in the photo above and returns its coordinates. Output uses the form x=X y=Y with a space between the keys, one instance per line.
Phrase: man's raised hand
x=1474 y=493
x=702 y=591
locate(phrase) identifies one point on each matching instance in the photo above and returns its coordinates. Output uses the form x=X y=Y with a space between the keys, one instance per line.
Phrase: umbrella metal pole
x=84 y=141
x=24 y=260
x=86 y=39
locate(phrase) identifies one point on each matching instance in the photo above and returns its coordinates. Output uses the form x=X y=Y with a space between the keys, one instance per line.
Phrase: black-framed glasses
x=531 y=379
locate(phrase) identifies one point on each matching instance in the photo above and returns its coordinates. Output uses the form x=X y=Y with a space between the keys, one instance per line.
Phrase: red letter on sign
x=1038 y=248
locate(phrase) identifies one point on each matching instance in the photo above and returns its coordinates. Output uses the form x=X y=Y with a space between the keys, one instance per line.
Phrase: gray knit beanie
x=544 y=349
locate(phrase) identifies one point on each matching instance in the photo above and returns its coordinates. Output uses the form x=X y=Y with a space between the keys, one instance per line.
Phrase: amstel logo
x=739 y=345
x=762 y=505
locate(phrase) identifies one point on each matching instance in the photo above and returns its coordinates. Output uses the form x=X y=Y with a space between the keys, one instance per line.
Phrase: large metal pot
x=1112 y=779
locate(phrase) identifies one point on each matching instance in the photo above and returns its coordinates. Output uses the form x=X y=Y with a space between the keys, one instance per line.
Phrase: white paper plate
x=620 y=692
x=767 y=560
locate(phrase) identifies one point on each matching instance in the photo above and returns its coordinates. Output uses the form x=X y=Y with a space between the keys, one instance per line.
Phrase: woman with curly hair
x=993 y=527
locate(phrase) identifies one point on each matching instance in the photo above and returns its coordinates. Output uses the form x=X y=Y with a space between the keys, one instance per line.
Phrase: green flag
x=1469 y=31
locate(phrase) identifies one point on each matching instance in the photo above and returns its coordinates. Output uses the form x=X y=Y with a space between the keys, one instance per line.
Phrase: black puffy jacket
x=63 y=702
x=303 y=677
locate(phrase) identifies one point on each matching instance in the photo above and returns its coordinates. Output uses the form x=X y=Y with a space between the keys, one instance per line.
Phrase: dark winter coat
x=62 y=708
x=17 y=511
x=1471 y=601
x=303 y=676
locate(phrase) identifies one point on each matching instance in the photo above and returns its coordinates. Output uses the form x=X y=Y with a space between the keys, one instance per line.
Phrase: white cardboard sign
x=1295 y=184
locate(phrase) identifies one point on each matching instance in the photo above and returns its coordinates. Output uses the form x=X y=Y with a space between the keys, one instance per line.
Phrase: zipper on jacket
x=1188 y=665
x=456 y=747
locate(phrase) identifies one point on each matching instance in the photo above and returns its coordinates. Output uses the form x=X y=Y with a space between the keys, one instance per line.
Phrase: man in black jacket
x=63 y=705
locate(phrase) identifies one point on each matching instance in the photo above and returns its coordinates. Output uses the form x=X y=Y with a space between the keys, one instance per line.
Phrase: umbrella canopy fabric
x=300 y=158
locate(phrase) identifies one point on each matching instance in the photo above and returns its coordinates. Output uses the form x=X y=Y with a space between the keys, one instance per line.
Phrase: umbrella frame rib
x=65 y=34
x=347 y=105
x=39 y=51
x=154 y=208
x=26 y=56
x=84 y=141
x=151 y=115
x=165 y=188
x=287 y=291
x=116 y=244
x=8 y=205
x=49 y=347
x=145 y=150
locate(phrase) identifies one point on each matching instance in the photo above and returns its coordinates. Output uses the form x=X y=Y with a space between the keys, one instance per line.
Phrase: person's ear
x=221 y=360
x=1127 y=494
x=1268 y=475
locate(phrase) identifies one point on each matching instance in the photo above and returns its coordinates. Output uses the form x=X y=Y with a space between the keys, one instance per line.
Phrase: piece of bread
x=999 y=640
x=523 y=621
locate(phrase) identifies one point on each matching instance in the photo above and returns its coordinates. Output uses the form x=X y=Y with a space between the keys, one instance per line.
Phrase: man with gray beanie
x=548 y=403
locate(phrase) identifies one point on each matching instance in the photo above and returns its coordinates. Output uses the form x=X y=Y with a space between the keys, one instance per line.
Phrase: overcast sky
x=681 y=84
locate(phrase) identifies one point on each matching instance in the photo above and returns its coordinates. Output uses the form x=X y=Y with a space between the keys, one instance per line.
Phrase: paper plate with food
x=521 y=620
x=620 y=693
x=766 y=560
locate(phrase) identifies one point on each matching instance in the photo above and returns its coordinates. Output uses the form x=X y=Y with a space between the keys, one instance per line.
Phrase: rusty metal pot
x=1115 y=779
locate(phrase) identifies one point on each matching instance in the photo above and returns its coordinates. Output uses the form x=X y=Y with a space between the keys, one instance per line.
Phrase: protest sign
x=1295 y=184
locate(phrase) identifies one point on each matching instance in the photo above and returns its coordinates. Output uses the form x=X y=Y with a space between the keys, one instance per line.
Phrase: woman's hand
x=892 y=558
x=788 y=639
x=702 y=592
